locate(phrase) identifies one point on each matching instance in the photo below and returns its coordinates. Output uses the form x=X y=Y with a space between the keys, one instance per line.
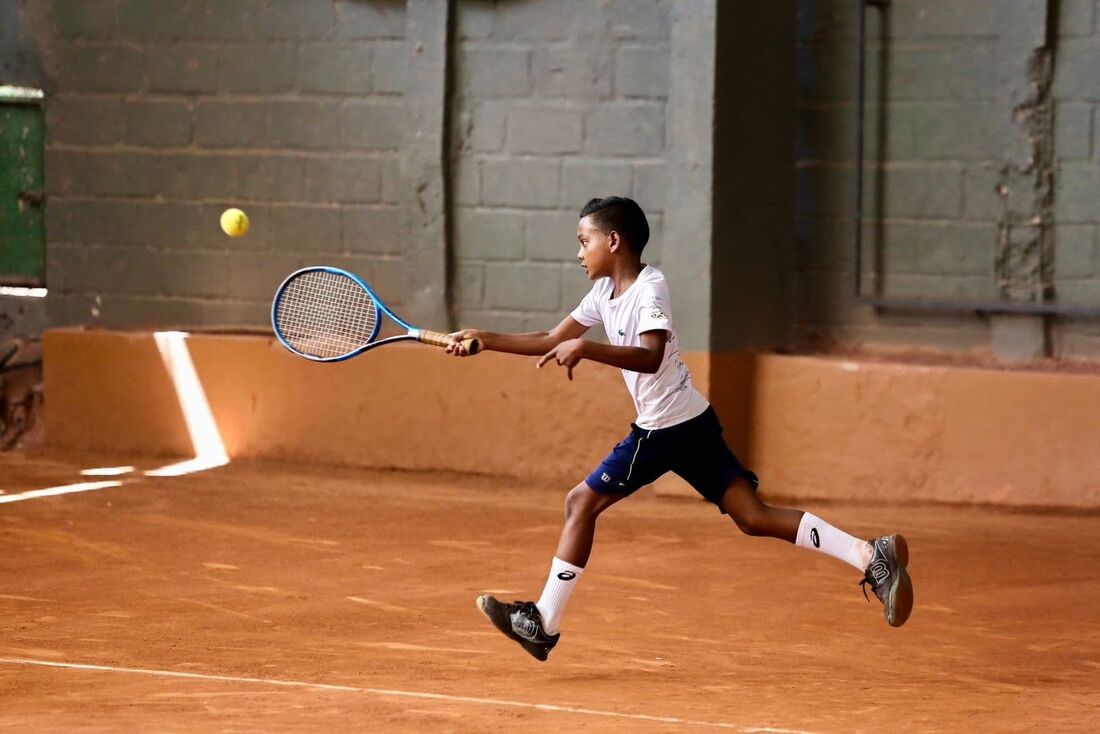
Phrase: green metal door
x=22 y=232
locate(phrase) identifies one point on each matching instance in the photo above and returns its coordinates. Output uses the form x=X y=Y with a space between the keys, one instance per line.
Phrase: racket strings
x=325 y=314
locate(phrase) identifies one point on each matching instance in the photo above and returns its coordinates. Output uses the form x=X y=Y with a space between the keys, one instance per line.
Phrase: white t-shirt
x=666 y=397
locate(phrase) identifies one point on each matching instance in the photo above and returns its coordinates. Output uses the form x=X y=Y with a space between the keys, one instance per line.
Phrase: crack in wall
x=1024 y=261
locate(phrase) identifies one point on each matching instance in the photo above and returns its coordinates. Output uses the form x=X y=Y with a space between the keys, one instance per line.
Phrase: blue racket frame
x=413 y=332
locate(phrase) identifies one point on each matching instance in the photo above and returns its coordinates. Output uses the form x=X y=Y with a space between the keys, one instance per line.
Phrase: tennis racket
x=329 y=315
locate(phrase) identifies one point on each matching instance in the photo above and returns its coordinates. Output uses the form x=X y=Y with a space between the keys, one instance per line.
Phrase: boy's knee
x=582 y=502
x=751 y=523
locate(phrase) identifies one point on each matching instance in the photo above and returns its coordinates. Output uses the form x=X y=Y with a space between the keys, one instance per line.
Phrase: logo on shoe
x=567 y=575
x=879 y=571
x=525 y=627
x=814 y=538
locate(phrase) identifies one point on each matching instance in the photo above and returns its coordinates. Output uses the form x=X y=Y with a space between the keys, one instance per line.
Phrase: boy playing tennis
x=676 y=430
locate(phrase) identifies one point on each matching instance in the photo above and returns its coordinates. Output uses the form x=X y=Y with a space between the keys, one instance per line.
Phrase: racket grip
x=439 y=339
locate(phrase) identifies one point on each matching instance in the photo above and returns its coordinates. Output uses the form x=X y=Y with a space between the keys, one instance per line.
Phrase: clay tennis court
x=276 y=597
x=877 y=223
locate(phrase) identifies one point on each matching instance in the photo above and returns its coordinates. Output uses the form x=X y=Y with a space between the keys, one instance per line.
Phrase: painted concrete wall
x=324 y=122
x=443 y=153
x=1076 y=98
x=163 y=113
x=555 y=103
x=988 y=187
x=809 y=426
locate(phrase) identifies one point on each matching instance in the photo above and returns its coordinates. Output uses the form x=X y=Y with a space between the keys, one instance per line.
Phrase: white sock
x=818 y=535
x=555 y=595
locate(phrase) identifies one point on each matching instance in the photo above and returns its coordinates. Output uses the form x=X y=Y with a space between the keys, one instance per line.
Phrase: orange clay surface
x=279 y=598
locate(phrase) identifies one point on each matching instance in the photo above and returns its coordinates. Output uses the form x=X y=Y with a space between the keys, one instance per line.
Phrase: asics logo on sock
x=567 y=575
x=814 y=538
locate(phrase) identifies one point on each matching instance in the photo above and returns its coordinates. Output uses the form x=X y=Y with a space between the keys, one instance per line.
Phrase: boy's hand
x=456 y=347
x=567 y=354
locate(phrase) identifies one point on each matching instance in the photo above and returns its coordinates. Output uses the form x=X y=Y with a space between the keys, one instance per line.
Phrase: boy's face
x=596 y=253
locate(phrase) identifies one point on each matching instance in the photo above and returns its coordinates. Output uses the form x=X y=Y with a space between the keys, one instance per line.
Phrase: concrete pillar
x=424 y=194
x=729 y=223
x=1026 y=109
x=689 y=231
x=752 y=268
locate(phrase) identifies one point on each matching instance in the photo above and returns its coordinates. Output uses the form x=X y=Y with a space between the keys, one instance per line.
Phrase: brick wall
x=161 y=114
x=556 y=102
x=935 y=240
x=311 y=113
x=1076 y=273
x=964 y=172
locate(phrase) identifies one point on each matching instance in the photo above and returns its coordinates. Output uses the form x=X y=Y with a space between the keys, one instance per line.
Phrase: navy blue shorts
x=694 y=449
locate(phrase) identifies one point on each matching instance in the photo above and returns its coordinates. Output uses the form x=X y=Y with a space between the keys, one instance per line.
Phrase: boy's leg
x=534 y=625
x=882 y=560
x=582 y=506
x=754 y=517
x=632 y=464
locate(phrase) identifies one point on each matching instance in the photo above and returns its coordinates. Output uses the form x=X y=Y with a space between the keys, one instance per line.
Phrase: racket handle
x=439 y=339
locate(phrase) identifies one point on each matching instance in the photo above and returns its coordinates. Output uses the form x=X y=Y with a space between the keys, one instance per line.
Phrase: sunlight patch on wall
x=205 y=437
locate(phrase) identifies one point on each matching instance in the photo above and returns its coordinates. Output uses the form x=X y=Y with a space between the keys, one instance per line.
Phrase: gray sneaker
x=888 y=578
x=521 y=622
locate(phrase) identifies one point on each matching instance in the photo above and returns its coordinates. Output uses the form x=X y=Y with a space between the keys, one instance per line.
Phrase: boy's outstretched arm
x=646 y=358
x=533 y=344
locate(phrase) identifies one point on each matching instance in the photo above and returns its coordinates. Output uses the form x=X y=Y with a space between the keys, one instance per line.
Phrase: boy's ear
x=613 y=241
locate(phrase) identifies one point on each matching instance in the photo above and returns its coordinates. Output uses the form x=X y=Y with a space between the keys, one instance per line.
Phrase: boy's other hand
x=567 y=354
x=456 y=347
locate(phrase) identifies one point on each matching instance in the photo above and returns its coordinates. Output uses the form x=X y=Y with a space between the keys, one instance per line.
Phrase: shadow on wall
x=20 y=390
x=731 y=378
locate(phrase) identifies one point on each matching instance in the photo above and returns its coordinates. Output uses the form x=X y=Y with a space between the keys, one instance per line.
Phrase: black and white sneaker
x=888 y=578
x=521 y=622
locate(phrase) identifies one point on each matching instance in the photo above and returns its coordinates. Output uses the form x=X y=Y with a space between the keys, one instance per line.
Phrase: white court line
x=405 y=694
x=107 y=471
x=53 y=491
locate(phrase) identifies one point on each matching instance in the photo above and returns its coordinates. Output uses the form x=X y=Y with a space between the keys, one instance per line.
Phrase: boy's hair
x=622 y=215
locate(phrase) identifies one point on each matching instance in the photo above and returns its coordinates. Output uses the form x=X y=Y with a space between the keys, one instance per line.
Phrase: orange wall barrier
x=811 y=427
x=837 y=428
x=405 y=406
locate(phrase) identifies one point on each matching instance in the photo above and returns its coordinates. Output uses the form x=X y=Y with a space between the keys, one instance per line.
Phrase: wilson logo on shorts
x=567 y=575
x=606 y=477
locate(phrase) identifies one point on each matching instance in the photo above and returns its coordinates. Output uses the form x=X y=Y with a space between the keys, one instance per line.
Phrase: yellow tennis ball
x=234 y=222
